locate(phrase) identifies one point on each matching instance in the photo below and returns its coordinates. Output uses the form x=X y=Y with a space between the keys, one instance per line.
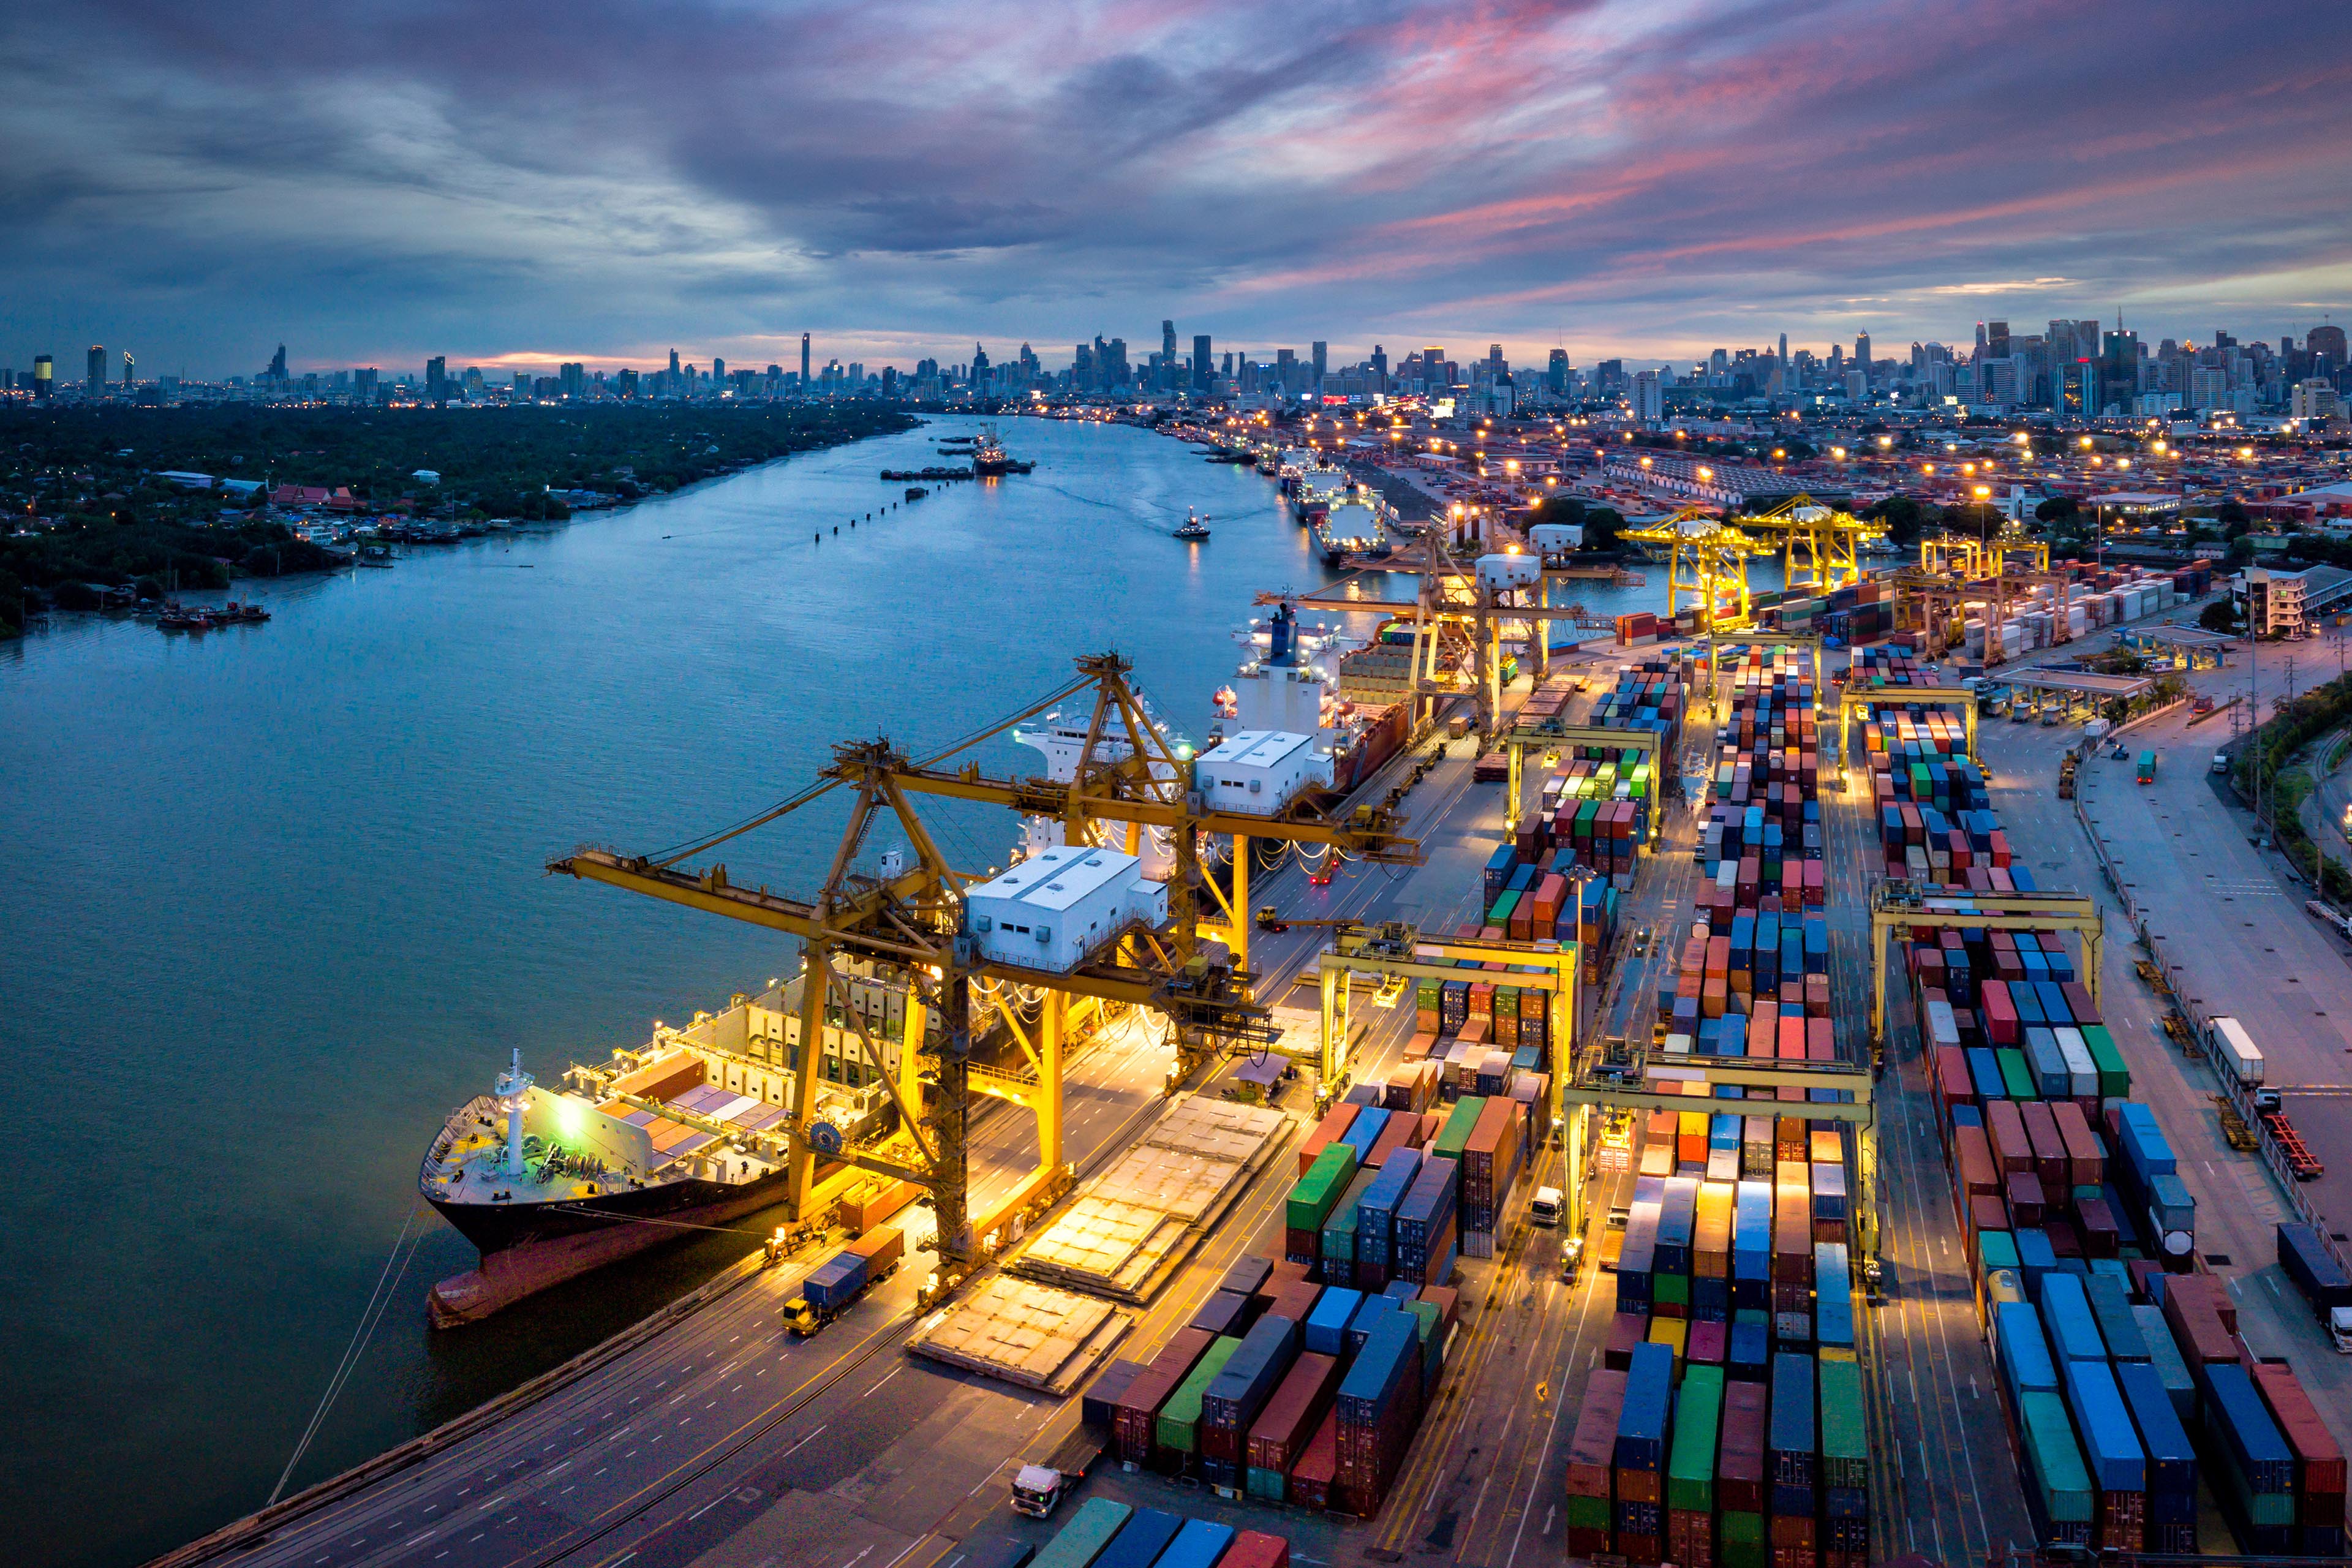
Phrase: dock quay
x=1504 y=1381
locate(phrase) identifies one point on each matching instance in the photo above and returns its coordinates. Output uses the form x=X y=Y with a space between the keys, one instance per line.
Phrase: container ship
x=1353 y=525
x=1294 y=679
x=687 y=1130
x=990 y=459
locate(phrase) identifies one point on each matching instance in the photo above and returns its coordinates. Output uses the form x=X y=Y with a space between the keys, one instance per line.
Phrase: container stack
x=1283 y=1404
x=1638 y=1457
x=1760 y=845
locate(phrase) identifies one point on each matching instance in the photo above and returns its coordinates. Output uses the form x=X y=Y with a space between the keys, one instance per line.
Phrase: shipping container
x=1080 y=1541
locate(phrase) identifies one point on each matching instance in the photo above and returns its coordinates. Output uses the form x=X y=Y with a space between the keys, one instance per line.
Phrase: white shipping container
x=2082 y=1069
x=2238 y=1050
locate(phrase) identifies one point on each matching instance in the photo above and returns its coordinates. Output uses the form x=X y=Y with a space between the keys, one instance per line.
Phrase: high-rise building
x=363 y=384
x=96 y=380
x=1784 y=348
x=45 y=373
x=1555 y=373
x=1166 y=341
x=1649 y=398
x=1203 y=364
x=1862 y=351
x=717 y=371
x=1433 y=364
x=804 y=362
x=572 y=377
x=1322 y=352
x=277 y=371
x=436 y=378
x=2327 y=344
x=1997 y=339
x=1381 y=364
x=130 y=370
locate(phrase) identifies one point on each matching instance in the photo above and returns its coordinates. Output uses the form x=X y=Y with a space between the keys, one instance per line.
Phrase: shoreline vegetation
x=122 y=505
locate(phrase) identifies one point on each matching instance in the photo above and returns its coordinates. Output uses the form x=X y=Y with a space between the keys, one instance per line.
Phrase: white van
x=1544 y=1209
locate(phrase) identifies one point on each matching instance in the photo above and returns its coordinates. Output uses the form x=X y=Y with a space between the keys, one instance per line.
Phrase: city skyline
x=548 y=189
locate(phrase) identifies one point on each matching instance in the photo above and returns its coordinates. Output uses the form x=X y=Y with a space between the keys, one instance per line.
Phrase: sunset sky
x=541 y=180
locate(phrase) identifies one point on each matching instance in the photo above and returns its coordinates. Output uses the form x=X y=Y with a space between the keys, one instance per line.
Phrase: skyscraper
x=717 y=371
x=96 y=368
x=1997 y=339
x=1862 y=351
x=1322 y=352
x=277 y=371
x=1556 y=372
x=1168 y=342
x=804 y=362
x=45 y=375
x=1784 y=348
x=130 y=370
x=1203 y=364
x=436 y=379
x=2325 y=342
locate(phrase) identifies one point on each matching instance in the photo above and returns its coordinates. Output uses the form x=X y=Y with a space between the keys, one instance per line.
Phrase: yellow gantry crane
x=909 y=918
x=1707 y=566
x=1819 y=546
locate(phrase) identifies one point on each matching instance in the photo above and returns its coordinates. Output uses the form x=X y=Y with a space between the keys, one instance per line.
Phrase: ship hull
x=1378 y=743
x=526 y=1247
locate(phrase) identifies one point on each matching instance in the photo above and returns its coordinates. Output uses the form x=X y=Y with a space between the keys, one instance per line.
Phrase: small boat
x=1195 y=529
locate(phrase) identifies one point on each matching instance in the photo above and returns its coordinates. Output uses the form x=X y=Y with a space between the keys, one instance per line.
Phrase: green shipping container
x=1673 y=1288
x=1845 y=1447
x=1588 y=1513
x=1996 y=1249
x=1741 y=1541
x=1180 y=1419
x=1314 y=1194
x=2054 y=1460
x=1432 y=1348
x=1271 y=1485
x=1454 y=1136
x=1501 y=915
x=1428 y=992
x=1083 y=1538
x=1690 y=1465
x=2114 y=1078
x=1339 y=1224
x=2015 y=1077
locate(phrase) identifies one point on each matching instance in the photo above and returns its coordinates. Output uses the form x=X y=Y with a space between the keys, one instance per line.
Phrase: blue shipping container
x=1198 y=1545
x=1326 y=1325
x=1141 y=1539
x=2066 y=1315
x=1642 y=1420
x=2110 y=1444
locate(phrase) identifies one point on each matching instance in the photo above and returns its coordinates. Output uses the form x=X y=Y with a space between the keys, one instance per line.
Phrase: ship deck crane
x=909 y=919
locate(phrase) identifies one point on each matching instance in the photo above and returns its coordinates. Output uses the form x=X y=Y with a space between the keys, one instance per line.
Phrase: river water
x=275 y=904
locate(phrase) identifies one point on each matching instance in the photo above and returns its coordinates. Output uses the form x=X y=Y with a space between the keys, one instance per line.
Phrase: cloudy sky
x=374 y=180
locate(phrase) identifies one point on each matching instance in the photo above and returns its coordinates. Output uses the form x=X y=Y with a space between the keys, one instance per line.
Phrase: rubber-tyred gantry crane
x=909 y=918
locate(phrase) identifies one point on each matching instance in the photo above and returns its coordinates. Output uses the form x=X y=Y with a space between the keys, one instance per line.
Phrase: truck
x=840 y=1279
x=2321 y=1279
x=2237 y=1050
x=2220 y=762
x=2146 y=767
x=1546 y=1206
x=1038 y=1489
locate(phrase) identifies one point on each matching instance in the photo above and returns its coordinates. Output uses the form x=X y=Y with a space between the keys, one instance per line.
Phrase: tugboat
x=990 y=459
x=1195 y=530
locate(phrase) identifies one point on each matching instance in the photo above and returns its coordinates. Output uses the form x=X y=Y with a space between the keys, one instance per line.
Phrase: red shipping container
x=2049 y=1149
x=1626 y=1330
x=1251 y=1549
x=1973 y=1164
x=1333 y=1126
x=1311 y=1479
x=1592 y=1450
x=2085 y=1164
x=1134 y=1416
x=1279 y=1436
x=2006 y=1127
x=1999 y=1012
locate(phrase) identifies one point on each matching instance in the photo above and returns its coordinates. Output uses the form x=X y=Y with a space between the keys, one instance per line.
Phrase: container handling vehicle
x=1038 y=1489
x=840 y=1279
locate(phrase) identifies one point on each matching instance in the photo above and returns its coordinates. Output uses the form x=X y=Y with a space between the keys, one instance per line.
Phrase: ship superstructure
x=1290 y=680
